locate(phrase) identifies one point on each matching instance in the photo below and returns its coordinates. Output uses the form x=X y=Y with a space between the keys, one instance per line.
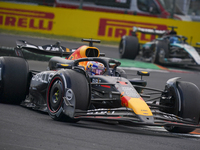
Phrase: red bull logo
x=26 y=19
x=78 y=53
x=124 y=99
x=118 y=28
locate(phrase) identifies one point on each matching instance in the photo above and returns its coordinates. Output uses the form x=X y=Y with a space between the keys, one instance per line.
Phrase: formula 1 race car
x=168 y=49
x=71 y=91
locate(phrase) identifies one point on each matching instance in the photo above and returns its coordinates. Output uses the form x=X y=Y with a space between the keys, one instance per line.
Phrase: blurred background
x=177 y=9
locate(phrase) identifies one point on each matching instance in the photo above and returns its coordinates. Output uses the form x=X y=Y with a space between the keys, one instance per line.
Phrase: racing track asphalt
x=25 y=129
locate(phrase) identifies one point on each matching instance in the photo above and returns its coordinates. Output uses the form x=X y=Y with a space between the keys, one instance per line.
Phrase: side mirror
x=67 y=66
x=185 y=38
x=143 y=73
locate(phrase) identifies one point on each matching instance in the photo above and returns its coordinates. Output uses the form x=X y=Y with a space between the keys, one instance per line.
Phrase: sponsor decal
x=106 y=86
x=100 y=111
x=22 y=18
x=129 y=91
x=124 y=99
x=43 y=77
x=118 y=28
x=76 y=54
x=122 y=83
x=150 y=31
x=96 y=80
x=171 y=117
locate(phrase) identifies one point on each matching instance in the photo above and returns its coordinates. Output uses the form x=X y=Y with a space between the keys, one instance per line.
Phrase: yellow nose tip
x=139 y=106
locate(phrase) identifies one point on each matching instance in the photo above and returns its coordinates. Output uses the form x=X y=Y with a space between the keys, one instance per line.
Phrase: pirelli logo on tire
x=29 y=19
x=112 y=28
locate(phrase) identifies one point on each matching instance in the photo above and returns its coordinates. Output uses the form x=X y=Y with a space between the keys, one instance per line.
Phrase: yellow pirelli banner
x=87 y=24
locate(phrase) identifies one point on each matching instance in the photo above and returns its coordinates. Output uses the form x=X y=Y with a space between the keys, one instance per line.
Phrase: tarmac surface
x=26 y=129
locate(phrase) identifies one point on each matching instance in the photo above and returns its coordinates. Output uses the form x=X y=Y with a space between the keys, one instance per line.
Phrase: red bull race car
x=83 y=84
x=168 y=49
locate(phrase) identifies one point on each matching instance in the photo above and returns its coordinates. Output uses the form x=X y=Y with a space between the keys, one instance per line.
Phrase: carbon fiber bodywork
x=110 y=96
x=106 y=99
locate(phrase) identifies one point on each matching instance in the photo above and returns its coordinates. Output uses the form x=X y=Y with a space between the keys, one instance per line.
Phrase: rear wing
x=150 y=31
x=53 y=50
x=155 y=31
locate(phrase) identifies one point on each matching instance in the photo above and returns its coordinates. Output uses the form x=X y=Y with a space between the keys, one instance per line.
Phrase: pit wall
x=87 y=24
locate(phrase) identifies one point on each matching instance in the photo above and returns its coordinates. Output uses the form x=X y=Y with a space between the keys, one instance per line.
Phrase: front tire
x=190 y=105
x=77 y=86
x=161 y=47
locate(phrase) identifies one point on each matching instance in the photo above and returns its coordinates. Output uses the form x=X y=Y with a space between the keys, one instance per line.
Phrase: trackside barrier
x=87 y=24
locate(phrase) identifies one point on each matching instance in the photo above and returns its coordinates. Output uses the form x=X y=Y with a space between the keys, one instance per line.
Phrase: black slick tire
x=129 y=47
x=190 y=105
x=75 y=81
x=160 y=46
x=14 y=79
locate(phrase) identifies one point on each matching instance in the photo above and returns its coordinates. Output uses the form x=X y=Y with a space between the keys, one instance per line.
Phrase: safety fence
x=87 y=24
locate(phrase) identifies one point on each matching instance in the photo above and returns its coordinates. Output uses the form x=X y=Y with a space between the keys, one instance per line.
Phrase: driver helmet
x=174 y=40
x=95 y=68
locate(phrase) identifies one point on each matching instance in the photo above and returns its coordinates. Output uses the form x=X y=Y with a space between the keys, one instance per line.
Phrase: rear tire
x=79 y=85
x=190 y=105
x=14 y=77
x=129 y=47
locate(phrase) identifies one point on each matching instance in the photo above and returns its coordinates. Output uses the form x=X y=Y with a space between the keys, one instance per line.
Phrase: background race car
x=168 y=49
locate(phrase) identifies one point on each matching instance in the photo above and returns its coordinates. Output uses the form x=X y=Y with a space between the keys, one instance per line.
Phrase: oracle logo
x=118 y=28
x=26 y=19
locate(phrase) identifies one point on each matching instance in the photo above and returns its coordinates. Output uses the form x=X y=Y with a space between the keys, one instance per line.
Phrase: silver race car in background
x=168 y=49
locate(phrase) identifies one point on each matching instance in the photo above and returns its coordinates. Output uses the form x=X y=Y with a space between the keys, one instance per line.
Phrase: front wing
x=126 y=115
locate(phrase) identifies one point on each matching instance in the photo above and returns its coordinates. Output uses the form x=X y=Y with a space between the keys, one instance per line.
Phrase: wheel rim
x=56 y=96
x=162 y=53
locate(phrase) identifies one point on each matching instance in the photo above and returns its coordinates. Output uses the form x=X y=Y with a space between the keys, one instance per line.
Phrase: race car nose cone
x=146 y=119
